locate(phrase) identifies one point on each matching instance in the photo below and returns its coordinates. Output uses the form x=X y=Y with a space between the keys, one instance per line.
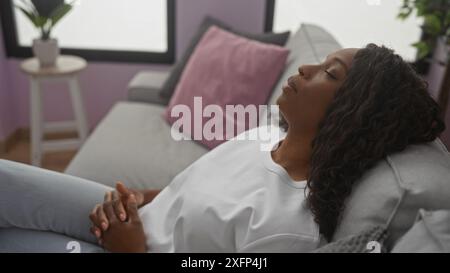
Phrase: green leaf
x=32 y=17
x=422 y=49
x=404 y=14
x=41 y=21
x=447 y=19
x=405 y=4
x=432 y=24
x=59 y=13
x=421 y=9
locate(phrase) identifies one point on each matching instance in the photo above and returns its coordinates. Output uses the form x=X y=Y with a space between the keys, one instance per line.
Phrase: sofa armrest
x=145 y=87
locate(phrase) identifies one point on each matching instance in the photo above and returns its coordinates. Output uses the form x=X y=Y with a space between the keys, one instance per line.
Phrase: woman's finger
x=109 y=211
x=108 y=196
x=133 y=209
x=122 y=189
x=103 y=220
x=95 y=220
x=118 y=206
x=96 y=231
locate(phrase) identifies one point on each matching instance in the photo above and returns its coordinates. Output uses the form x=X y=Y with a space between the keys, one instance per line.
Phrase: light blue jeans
x=45 y=211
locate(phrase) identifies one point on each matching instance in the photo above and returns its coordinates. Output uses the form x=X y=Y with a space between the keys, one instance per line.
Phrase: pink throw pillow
x=224 y=69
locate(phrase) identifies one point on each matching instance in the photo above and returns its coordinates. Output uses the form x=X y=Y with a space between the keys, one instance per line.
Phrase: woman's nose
x=306 y=71
x=301 y=71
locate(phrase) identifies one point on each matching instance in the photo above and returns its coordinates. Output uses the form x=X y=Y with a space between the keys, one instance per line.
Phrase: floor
x=55 y=161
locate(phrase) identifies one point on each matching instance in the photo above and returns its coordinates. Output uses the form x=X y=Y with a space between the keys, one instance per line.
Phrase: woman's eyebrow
x=340 y=61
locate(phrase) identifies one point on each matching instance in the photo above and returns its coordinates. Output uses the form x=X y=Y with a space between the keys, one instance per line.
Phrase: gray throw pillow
x=169 y=86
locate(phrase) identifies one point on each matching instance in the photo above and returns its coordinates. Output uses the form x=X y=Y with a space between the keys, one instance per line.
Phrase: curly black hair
x=382 y=107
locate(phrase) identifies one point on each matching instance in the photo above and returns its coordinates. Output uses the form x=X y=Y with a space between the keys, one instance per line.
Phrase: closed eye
x=330 y=75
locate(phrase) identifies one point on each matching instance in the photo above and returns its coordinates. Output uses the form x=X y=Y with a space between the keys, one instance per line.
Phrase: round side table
x=66 y=69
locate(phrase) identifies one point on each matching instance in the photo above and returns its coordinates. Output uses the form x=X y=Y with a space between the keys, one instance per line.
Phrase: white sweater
x=233 y=199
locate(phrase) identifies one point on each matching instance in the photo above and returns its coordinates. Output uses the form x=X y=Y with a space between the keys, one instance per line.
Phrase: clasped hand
x=116 y=222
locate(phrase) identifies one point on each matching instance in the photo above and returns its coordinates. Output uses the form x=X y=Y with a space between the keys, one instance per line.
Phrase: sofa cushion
x=238 y=75
x=134 y=144
x=421 y=172
x=145 y=87
x=430 y=233
x=169 y=86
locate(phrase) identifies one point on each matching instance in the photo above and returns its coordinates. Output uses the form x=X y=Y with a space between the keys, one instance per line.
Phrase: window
x=353 y=23
x=101 y=30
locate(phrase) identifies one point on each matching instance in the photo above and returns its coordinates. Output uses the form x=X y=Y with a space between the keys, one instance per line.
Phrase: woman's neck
x=294 y=154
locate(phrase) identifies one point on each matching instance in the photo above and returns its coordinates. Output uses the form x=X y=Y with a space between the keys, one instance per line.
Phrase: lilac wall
x=245 y=15
x=8 y=113
x=104 y=84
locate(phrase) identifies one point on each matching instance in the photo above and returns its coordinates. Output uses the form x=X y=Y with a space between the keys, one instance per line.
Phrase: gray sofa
x=133 y=144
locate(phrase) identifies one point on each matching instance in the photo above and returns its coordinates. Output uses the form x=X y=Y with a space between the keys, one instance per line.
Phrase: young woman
x=340 y=118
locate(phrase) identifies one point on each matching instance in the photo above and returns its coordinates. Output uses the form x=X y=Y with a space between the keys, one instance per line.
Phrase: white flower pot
x=47 y=51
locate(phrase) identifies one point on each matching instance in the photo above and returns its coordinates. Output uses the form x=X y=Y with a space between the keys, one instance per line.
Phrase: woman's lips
x=288 y=88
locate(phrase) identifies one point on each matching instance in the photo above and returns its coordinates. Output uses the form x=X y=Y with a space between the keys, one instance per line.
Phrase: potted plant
x=44 y=15
x=435 y=40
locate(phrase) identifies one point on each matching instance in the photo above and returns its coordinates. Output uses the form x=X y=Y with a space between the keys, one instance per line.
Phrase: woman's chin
x=281 y=102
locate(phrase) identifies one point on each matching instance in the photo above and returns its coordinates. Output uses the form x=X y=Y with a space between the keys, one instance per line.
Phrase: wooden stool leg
x=77 y=102
x=36 y=119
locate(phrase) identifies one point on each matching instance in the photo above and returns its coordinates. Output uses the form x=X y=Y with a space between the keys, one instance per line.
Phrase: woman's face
x=307 y=94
